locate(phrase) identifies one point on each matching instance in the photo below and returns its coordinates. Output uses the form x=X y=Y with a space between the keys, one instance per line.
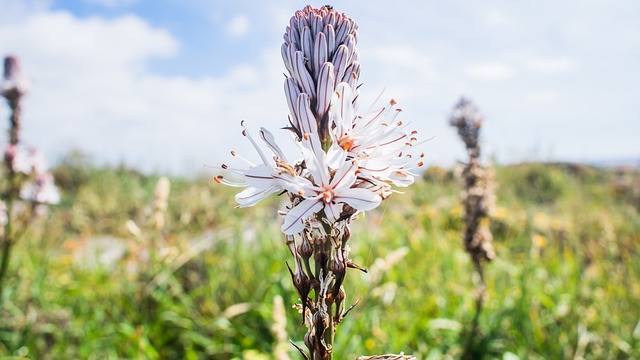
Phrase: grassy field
x=99 y=277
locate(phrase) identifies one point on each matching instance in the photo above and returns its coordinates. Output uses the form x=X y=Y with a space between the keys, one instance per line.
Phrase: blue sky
x=163 y=84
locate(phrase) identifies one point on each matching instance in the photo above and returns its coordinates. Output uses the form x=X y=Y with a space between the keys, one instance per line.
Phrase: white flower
x=26 y=162
x=349 y=161
x=41 y=190
x=323 y=193
x=378 y=140
x=257 y=179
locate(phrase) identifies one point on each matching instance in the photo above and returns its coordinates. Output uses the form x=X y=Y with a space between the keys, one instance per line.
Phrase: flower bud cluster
x=319 y=52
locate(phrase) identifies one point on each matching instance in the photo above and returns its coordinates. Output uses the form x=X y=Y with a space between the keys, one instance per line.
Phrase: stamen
x=224 y=166
x=287 y=167
x=392 y=102
x=346 y=142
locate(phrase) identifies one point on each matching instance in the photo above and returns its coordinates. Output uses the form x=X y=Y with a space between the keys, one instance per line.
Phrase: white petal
x=342 y=109
x=335 y=156
x=352 y=74
x=268 y=138
x=376 y=167
x=315 y=159
x=260 y=176
x=264 y=158
x=332 y=211
x=345 y=176
x=358 y=198
x=252 y=195
x=294 y=220
x=296 y=184
x=402 y=178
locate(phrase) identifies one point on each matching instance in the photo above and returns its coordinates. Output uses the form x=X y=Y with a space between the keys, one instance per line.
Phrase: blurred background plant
x=26 y=184
x=572 y=294
x=478 y=201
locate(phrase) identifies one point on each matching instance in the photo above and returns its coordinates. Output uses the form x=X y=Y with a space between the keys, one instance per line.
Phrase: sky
x=162 y=85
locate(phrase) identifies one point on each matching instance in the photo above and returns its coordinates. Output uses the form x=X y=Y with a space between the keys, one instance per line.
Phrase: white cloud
x=489 y=71
x=111 y=3
x=238 y=26
x=551 y=65
x=92 y=86
x=404 y=59
x=542 y=98
x=92 y=89
x=497 y=19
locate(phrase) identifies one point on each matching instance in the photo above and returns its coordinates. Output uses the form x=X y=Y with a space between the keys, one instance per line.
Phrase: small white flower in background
x=39 y=187
x=41 y=190
x=24 y=161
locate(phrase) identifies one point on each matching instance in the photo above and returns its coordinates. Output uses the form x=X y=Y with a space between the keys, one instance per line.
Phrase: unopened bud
x=305 y=249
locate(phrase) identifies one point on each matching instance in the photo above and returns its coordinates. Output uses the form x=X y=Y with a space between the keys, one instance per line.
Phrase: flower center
x=345 y=142
x=327 y=196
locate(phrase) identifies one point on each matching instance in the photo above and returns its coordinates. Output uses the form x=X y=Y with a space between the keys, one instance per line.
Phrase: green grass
x=566 y=282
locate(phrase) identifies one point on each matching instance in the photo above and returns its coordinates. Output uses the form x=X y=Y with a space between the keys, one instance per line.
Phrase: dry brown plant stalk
x=478 y=200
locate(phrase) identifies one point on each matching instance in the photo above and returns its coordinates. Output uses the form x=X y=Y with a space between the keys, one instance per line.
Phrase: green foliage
x=565 y=283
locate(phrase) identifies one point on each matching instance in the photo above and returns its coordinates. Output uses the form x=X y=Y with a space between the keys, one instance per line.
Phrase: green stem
x=7 y=242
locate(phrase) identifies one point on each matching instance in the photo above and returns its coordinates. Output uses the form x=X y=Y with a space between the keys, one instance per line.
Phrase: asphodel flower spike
x=347 y=164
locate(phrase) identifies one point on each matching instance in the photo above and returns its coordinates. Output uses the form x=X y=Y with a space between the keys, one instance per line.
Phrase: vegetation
x=83 y=283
